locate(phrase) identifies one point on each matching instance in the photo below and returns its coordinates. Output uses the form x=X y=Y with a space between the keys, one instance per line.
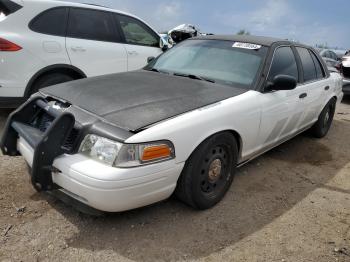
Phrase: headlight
x=100 y=148
x=126 y=155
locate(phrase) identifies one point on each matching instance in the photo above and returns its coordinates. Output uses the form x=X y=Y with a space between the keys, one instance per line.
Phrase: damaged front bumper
x=48 y=143
x=50 y=147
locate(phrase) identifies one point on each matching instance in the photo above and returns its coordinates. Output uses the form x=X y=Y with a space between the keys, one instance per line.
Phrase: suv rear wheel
x=49 y=80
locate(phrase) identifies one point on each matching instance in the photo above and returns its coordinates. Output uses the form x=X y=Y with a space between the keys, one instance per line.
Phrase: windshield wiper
x=157 y=70
x=192 y=76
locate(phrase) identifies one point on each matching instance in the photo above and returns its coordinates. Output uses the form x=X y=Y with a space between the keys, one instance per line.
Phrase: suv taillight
x=8 y=46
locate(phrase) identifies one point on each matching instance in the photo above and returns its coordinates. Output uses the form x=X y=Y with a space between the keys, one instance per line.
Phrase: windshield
x=214 y=60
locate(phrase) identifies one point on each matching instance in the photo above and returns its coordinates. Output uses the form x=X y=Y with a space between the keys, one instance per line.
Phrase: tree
x=243 y=32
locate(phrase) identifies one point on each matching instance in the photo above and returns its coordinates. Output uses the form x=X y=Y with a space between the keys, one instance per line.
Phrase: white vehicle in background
x=49 y=42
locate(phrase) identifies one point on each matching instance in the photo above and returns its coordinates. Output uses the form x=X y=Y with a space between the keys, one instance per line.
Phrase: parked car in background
x=346 y=72
x=183 y=124
x=340 y=53
x=331 y=59
x=46 y=42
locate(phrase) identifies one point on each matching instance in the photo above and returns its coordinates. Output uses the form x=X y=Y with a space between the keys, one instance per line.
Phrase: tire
x=49 y=80
x=324 y=122
x=209 y=172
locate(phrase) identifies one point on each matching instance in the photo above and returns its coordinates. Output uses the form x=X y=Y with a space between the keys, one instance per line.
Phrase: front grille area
x=43 y=120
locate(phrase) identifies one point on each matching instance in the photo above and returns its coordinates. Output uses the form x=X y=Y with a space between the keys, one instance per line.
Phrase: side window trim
x=67 y=9
x=115 y=32
x=146 y=27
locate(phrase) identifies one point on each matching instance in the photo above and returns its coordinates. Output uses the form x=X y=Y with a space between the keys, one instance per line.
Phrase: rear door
x=49 y=41
x=141 y=41
x=94 y=43
x=281 y=110
x=313 y=87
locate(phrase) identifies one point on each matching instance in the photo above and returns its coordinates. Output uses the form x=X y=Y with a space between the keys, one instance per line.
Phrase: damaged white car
x=183 y=124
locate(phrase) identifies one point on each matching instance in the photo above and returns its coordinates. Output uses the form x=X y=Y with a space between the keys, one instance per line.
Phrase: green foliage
x=243 y=32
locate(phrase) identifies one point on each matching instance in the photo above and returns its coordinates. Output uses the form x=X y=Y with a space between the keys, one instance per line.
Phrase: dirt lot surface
x=291 y=204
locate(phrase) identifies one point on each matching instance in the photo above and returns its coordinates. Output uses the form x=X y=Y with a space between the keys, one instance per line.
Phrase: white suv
x=49 y=42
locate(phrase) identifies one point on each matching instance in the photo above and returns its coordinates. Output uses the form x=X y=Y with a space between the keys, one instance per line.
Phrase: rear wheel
x=49 y=80
x=209 y=172
x=324 y=122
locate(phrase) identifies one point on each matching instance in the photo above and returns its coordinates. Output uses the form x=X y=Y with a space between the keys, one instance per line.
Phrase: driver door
x=281 y=111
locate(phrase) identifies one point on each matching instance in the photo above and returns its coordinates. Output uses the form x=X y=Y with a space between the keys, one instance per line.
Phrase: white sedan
x=181 y=125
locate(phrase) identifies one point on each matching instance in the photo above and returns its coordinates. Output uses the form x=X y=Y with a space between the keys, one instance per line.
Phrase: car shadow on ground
x=263 y=190
x=346 y=100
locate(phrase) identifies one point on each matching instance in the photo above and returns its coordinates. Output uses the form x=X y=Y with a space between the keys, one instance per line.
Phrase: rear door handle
x=133 y=53
x=78 y=49
x=303 y=95
x=326 y=88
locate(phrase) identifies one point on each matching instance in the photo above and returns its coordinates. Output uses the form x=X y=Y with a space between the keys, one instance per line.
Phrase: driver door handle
x=303 y=95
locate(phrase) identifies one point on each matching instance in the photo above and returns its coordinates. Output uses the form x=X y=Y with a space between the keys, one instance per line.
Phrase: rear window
x=51 y=22
x=319 y=69
x=91 y=25
x=307 y=62
x=8 y=7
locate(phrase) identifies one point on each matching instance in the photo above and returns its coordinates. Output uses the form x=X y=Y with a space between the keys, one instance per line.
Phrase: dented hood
x=138 y=99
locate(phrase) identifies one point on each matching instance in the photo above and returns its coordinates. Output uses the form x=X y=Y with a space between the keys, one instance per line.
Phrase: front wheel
x=324 y=122
x=209 y=172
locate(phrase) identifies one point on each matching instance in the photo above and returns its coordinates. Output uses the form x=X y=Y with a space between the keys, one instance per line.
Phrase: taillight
x=8 y=46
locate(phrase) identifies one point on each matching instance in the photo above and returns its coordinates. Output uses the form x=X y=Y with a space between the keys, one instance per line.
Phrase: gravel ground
x=291 y=204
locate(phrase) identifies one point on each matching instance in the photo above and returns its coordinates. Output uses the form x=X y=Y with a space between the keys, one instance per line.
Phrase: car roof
x=73 y=4
x=259 y=40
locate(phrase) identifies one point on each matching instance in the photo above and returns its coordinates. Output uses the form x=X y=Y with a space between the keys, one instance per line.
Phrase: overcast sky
x=309 y=21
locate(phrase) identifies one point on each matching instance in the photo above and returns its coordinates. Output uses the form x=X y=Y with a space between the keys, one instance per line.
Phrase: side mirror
x=281 y=82
x=163 y=44
x=150 y=59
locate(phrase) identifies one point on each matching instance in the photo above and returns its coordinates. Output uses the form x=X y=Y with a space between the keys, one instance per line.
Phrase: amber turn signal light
x=152 y=153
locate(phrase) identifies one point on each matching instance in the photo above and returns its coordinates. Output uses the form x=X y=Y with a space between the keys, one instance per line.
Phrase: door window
x=91 y=25
x=307 y=64
x=137 y=33
x=319 y=69
x=51 y=22
x=283 y=63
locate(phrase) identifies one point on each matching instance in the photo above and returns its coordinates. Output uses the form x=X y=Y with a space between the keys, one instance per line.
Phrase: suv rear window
x=51 y=22
x=8 y=7
x=91 y=25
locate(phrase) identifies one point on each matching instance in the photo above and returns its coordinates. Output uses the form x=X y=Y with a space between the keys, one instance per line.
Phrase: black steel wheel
x=209 y=172
x=324 y=122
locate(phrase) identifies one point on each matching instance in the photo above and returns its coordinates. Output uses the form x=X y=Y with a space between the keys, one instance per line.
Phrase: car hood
x=134 y=100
